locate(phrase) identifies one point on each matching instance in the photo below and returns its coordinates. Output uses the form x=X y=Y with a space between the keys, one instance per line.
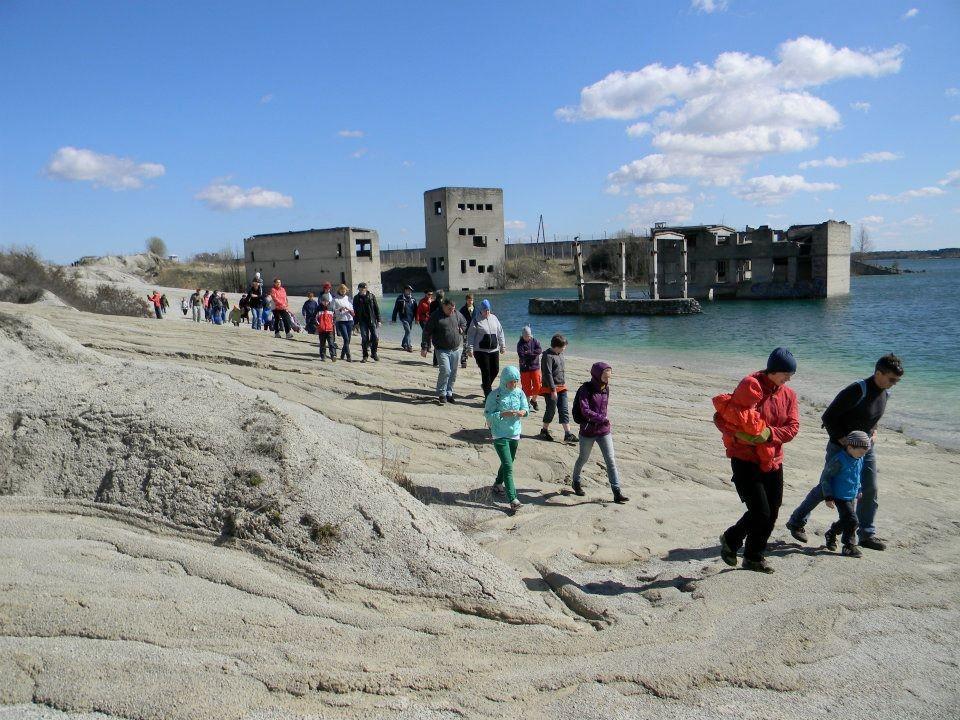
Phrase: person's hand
x=830 y=503
x=423 y=352
x=553 y=394
x=503 y=351
x=379 y=324
x=873 y=436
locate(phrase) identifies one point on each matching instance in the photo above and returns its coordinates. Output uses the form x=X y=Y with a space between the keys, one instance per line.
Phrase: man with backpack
x=406 y=309
x=859 y=406
x=590 y=413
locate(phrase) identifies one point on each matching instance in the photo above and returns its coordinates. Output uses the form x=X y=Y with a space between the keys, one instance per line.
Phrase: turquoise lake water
x=836 y=341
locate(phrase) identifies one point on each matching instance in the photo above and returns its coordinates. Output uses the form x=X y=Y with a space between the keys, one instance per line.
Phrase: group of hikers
x=756 y=420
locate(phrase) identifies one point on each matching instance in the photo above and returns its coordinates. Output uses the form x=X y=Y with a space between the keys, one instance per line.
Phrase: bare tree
x=862 y=244
x=232 y=275
x=156 y=246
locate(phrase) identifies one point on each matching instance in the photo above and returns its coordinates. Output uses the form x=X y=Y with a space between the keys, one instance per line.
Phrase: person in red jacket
x=739 y=410
x=761 y=492
x=281 y=310
x=325 y=330
x=421 y=315
x=157 y=301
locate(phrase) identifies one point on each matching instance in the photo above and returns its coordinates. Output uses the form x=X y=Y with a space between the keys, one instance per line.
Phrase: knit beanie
x=485 y=305
x=858 y=438
x=781 y=360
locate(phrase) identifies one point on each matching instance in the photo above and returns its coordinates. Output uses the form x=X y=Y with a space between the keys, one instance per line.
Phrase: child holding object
x=503 y=409
x=590 y=412
x=739 y=411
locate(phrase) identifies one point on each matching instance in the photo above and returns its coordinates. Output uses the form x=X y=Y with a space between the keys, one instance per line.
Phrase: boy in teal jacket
x=503 y=409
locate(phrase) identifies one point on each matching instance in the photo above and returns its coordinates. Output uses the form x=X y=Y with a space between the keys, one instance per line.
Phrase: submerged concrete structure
x=464 y=237
x=716 y=261
x=305 y=259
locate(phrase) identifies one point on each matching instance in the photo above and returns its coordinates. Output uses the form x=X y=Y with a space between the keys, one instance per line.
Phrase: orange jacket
x=279 y=296
x=777 y=409
x=422 y=313
x=325 y=321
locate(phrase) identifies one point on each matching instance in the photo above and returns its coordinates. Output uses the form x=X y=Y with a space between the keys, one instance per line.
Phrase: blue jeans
x=606 y=447
x=345 y=330
x=255 y=319
x=216 y=317
x=405 y=342
x=866 y=506
x=449 y=362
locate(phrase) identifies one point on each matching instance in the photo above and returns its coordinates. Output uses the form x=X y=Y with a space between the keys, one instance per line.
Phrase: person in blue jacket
x=503 y=409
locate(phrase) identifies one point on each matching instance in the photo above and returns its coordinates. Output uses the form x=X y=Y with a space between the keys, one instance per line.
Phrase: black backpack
x=577 y=415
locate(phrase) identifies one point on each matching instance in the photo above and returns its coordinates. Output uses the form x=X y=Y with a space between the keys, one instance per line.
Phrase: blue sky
x=207 y=122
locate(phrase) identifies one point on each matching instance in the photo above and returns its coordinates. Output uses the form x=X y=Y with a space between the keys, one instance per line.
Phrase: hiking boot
x=276 y=335
x=545 y=435
x=872 y=542
x=514 y=506
x=450 y=399
x=533 y=404
x=441 y=400
x=619 y=497
x=727 y=553
x=363 y=360
x=798 y=533
x=760 y=565
x=289 y=336
x=578 y=488
x=569 y=437
x=831 y=537
x=851 y=550
x=498 y=489
x=376 y=358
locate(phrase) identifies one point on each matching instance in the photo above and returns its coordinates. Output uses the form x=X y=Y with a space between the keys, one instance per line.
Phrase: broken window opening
x=489 y=207
x=339 y=250
x=296 y=254
x=469 y=206
x=433 y=264
x=252 y=258
x=438 y=208
x=463 y=231
x=480 y=241
x=364 y=247
x=471 y=231
x=489 y=268
x=461 y=206
x=721 y=271
x=473 y=263
x=481 y=269
x=463 y=267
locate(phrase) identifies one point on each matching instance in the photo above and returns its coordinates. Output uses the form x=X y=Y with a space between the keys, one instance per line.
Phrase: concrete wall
x=453 y=259
x=567 y=306
x=324 y=255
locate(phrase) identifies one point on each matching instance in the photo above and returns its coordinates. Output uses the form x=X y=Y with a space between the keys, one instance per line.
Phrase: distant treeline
x=914 y=254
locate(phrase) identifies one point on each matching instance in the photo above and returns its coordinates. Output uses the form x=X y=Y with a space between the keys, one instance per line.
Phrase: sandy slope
x=626 y=611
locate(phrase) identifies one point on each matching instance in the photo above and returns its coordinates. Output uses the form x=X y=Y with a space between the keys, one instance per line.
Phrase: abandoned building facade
x=716 y=261
x=305 y=259
x=464 y=237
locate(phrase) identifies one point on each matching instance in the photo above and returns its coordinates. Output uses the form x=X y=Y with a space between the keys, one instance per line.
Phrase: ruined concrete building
x=465 y=239
x=305 y=259
x=704 y=261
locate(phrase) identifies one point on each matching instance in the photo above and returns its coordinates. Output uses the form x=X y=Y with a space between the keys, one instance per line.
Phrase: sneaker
x=872 y=542
x=545 y=435
x=798 y=533
x=450 y=399
x=533 y=404
x=289 y=336
x=831 y=537
x=498 y=489
x=727 y=553
x=851 y=550
x=376 y=358
x=514 y=506
x=569 y=437
x=322 y=359
x=577 y=488
x=441 y=400
x=363 y=360
x=760 y=565
x=276 y=335
x=619 y=497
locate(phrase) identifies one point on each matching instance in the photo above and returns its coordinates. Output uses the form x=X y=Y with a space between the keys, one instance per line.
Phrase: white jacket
x=483 y=327
x=342 y=308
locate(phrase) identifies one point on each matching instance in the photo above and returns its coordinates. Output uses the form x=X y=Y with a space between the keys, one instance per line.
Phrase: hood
x=597 y=370
x=510 y=372
x=748 y=393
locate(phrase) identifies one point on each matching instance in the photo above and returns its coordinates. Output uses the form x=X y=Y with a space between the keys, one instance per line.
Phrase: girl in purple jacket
x=590 y=411
x=529 y=352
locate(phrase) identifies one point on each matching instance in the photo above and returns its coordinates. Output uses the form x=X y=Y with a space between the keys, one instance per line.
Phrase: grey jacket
x=552 y=371
x=480 y=329
x=446 y=333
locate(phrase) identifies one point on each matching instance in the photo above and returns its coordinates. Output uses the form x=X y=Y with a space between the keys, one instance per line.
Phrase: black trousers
x=847 y=523
x=489 y=364
x=281 y=317
x=762 y=493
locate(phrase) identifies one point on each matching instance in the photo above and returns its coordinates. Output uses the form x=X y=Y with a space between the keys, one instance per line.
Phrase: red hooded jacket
x=422 y=313
x=777 y=408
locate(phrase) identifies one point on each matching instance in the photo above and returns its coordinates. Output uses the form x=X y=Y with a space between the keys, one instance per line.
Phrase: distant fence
x=555 y=249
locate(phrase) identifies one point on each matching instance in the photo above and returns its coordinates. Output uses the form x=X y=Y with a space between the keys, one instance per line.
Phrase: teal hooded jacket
x=503 y=399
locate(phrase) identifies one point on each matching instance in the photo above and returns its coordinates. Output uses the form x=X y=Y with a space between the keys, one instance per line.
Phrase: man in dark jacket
x=405 y=308
x=445 y=330
x=367 y=316
x=255 y=300
x=859 y=406
x=309 y=311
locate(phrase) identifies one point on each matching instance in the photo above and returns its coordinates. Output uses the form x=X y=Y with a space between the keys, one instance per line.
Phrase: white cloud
x=708 y=6
x=659 y=188
x=955 y=118
x=359 y=153
x=772 y=189
x=674 y=210
x=350 y=133
x=515 y=225
x=407 y=163
x=266 y=98
x=929 y=191
x=917 y=222
x=952 y=92
x=861 y=106
x=871 y=157
x=871 y=220
x=117 y=173
x=709 y=121
x=952 y=178
x=909 y=14
x=219 y=196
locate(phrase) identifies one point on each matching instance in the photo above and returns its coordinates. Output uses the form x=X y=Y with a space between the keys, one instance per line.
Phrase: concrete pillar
x=623 y=270
x=683 y=261
x=578 y=266
x=654 y=280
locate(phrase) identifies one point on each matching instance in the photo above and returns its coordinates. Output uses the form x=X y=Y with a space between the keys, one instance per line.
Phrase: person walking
x=196 y=306
x=309 y=312
x=255 y=301
x=590 y=405
x=485 y=342
x=469 y=311
x=164 y=303
x=184 y=306
x=206 y=306
x=281 y=310
x=213 y=308
x=367 y=313
x=405 y=308
x=858 y=407
x=422 y=316
x=529 y=352
x=554 y=389
x=344 y=316
x=503 y=410
x=444 y=330
x=224 y=307
x=154 y=298
x=761 y=492
x=325 y=331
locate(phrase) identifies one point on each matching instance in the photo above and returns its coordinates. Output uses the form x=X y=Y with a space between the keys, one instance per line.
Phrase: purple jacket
x=594 y=397
x=529 y=352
